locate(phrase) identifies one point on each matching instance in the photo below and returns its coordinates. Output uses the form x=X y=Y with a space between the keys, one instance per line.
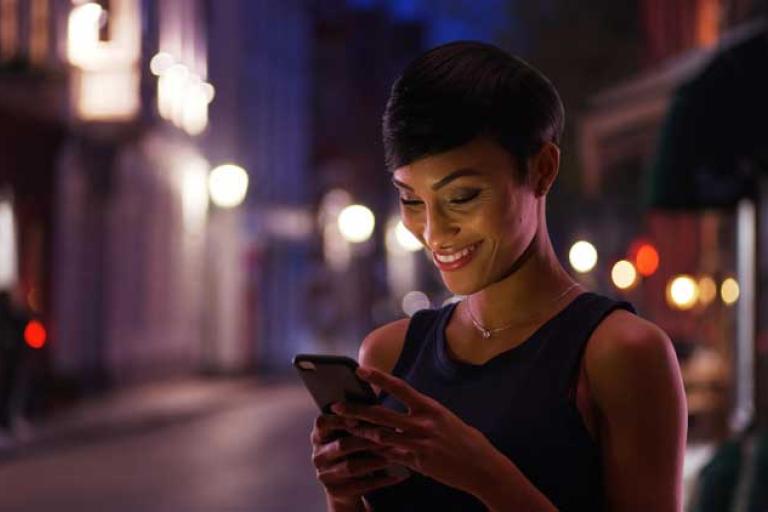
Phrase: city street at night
x=246 y=451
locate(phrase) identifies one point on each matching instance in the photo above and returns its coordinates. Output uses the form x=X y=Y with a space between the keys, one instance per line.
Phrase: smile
x=455 y=260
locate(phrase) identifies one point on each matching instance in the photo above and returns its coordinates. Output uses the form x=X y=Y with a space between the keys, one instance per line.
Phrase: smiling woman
x=531 y=393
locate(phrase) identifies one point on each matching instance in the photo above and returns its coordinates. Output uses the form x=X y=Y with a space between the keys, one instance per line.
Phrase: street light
x=682 y=292
x=227 y=185
x=623 y=274
x=707 y=290
x=405 y=238
x=583 y=256
x=729 y=291
x=356 y=223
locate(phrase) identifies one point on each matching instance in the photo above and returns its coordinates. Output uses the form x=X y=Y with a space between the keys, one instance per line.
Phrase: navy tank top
x=523 y=400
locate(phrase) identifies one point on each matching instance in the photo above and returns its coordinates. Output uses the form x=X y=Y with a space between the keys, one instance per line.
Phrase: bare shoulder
x=624 y=338
x=381 y=348
x=632 y=367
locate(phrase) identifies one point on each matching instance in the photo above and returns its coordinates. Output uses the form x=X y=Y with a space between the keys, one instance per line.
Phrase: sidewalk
x=130 y=410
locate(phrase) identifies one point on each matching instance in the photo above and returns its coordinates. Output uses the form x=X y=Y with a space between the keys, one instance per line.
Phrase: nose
x=439 y=230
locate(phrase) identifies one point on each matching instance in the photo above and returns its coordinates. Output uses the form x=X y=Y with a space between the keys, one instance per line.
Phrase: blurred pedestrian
x=531 y=393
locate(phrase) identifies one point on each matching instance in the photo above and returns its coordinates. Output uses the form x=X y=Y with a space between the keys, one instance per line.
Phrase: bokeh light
x=356 y=223
x=227 y=185
x=161 y=62
x=405 y=238
x=647 y=260
x=729 y=291
x=682 y=292
x=35 y=334
x=623 y=274
x=583 y=256
x=707 y=290
x=415 y=301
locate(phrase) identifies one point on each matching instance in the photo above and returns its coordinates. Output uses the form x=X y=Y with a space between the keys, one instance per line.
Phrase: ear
x=544 y=166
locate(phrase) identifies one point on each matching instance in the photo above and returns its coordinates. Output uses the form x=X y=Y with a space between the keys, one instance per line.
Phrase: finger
x=375 y=414
x=399 y=456
x=386 y=437
x=360 y=467
x=394 y=386
x=345 y=447
x=360 y=486
x=327 y=427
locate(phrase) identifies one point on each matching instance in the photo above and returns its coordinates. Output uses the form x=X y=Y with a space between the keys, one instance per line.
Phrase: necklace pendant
x=486 y=333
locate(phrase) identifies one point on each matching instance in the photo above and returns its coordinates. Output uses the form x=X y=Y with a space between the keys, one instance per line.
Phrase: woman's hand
x=346 y=464
x=429 y=438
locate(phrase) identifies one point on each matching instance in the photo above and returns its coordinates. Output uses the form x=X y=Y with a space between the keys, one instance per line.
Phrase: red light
x=34 y=334
x=647 y=260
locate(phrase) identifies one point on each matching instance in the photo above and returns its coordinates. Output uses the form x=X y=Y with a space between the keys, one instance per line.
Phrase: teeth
x=450 y=258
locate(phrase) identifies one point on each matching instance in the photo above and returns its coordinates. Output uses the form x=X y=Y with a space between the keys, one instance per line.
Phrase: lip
x=461 y=262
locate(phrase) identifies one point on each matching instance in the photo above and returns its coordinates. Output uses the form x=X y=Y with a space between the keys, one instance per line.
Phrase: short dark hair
x=462 y=90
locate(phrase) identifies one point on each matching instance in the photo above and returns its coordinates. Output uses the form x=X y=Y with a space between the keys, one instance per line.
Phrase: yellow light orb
x=356 y=223
x=729 y=291
x=583 y=256
x=405 y=238
x=682 y=292
x=623 y=274
x=227 y=185
x=707 y=290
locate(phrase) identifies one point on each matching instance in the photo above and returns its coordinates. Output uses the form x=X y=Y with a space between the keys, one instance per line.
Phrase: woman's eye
x=465 y=198
x=409 y=202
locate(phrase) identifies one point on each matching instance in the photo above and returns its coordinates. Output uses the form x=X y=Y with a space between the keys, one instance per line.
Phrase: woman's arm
x=636 y=385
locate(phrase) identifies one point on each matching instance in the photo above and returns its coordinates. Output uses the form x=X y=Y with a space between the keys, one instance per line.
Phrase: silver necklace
x=486 y=332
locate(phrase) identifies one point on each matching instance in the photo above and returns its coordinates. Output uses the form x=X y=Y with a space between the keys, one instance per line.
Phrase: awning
x=715 y=136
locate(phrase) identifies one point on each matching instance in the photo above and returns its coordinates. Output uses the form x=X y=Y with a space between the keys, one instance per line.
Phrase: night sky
x=449 y=20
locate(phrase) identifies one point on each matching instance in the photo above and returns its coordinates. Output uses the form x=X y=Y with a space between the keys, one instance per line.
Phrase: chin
x=462 y=287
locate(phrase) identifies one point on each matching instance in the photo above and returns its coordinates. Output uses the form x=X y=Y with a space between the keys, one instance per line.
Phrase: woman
x=530 y=394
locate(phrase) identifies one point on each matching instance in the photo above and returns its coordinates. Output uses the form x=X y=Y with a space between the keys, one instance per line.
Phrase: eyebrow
x=459 y=173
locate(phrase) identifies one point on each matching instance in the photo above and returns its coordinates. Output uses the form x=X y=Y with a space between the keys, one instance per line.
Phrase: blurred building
x=104 y=114
x=261 y=65
x=618 y=139
x=358 y=53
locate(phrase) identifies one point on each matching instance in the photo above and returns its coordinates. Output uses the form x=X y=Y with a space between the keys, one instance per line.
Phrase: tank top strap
x=564 y=348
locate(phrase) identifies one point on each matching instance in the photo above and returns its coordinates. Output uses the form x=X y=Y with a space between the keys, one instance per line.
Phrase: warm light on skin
x=729 y=291
x=682 y=292
x=707 y=290
x=623 y=274
x=582 y=256
x=465 y=196
x=227 y=185
x=405 y=238
x=356 y=223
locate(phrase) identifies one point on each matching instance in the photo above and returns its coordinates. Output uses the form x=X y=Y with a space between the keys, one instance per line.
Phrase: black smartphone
x=332 y=379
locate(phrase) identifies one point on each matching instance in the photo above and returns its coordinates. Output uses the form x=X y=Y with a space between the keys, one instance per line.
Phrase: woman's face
x=470 y=211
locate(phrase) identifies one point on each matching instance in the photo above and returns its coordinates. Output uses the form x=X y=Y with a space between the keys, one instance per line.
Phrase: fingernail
x=336 y=408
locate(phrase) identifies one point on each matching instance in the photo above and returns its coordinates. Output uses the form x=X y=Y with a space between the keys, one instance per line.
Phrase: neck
x=533 y=285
